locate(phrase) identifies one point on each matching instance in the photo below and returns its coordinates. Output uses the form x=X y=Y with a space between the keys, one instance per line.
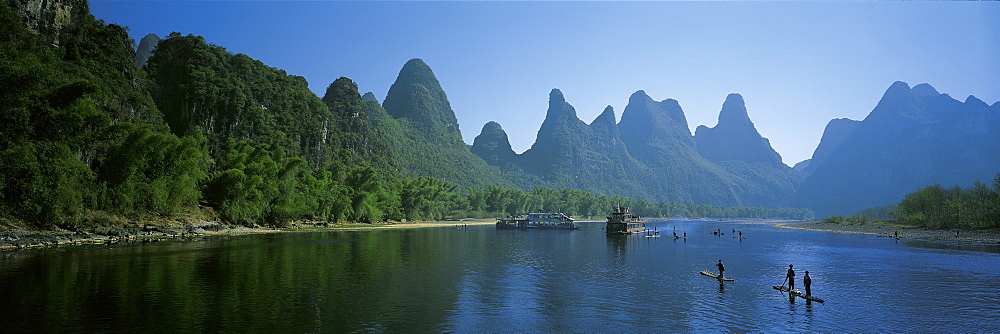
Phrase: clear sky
x=797 y=64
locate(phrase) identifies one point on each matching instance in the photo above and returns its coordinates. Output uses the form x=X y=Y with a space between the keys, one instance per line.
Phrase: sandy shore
x=890 y=230
x=16 y=239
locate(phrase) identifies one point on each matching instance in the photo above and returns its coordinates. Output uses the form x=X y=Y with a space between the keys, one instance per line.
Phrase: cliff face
x=145 y=49
x=50 y=17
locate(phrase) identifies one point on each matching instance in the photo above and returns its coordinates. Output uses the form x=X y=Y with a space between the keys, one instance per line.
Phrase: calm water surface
x=484 y=280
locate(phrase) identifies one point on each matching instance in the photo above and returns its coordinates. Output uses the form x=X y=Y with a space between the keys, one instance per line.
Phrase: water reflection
x=617 y=246
x=952 y=245
x=484 y=280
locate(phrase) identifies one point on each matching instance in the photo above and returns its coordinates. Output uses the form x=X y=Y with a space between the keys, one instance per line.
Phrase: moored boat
x=622 y=221
x=538 y=220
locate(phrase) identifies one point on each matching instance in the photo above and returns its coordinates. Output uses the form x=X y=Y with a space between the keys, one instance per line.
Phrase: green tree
x=145 y=171
x=365 y=193
x=44 y=183
x=245 y=184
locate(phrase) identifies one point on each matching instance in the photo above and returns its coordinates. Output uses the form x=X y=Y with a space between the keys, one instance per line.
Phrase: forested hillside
x=73 y=95
x=84 y=136
x=424 y=135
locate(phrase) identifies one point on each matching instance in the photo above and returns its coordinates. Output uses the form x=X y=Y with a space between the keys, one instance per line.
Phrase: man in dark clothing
x=721 y=268
x=807 y=281
x=790 y=276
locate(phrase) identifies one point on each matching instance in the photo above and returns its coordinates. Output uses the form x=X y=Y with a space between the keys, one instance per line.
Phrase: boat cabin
x=622 y=221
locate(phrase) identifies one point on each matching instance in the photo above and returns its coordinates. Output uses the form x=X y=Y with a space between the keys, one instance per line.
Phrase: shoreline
x=17 y=239
x=888 y=230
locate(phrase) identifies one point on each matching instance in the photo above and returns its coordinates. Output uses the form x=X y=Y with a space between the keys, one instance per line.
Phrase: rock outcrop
x=145 y=49
x=50 y=17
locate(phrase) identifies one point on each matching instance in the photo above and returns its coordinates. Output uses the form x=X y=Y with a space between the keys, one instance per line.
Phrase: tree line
x=498 y=201
x=974 y=207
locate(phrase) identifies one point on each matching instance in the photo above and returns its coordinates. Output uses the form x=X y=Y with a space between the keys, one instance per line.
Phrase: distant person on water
x=790 y=276
x=807 y=281
x=722 y=268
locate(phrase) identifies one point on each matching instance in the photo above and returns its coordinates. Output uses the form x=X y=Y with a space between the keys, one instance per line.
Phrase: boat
x=621 y=221
x=796 y=293
x=716 y=276
x=538 y=220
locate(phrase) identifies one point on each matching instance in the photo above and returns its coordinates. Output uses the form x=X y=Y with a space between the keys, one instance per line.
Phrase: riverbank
x=890 y=229
x=127 y=233
x=313 y=226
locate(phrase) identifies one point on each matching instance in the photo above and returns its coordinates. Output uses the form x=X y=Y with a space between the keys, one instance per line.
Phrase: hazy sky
x=797 y=64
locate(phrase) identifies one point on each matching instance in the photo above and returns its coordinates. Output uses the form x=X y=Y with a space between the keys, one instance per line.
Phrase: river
x=480 y=279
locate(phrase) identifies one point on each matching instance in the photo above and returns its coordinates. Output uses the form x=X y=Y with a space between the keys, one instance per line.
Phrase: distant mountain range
x=651 y=154
x=913 y=138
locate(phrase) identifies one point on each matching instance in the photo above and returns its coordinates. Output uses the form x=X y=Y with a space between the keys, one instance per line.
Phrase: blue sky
x=797 y=64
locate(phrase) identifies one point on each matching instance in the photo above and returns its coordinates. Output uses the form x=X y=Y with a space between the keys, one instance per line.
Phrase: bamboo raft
x=715 y=276
x=796 y=293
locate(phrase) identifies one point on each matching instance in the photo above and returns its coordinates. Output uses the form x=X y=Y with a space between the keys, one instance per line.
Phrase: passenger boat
x=621 y=221
x=538 y=220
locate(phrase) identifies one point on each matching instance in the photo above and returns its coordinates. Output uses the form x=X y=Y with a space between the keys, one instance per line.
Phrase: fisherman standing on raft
x=790 y=276
x=807 y=281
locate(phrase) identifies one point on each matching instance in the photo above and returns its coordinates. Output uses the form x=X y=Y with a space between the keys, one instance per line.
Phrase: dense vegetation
x=63 y=111
x=975 y=207
x=937 y=207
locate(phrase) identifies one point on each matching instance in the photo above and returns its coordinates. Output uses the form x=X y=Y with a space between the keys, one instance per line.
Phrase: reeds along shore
x=891 y=230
